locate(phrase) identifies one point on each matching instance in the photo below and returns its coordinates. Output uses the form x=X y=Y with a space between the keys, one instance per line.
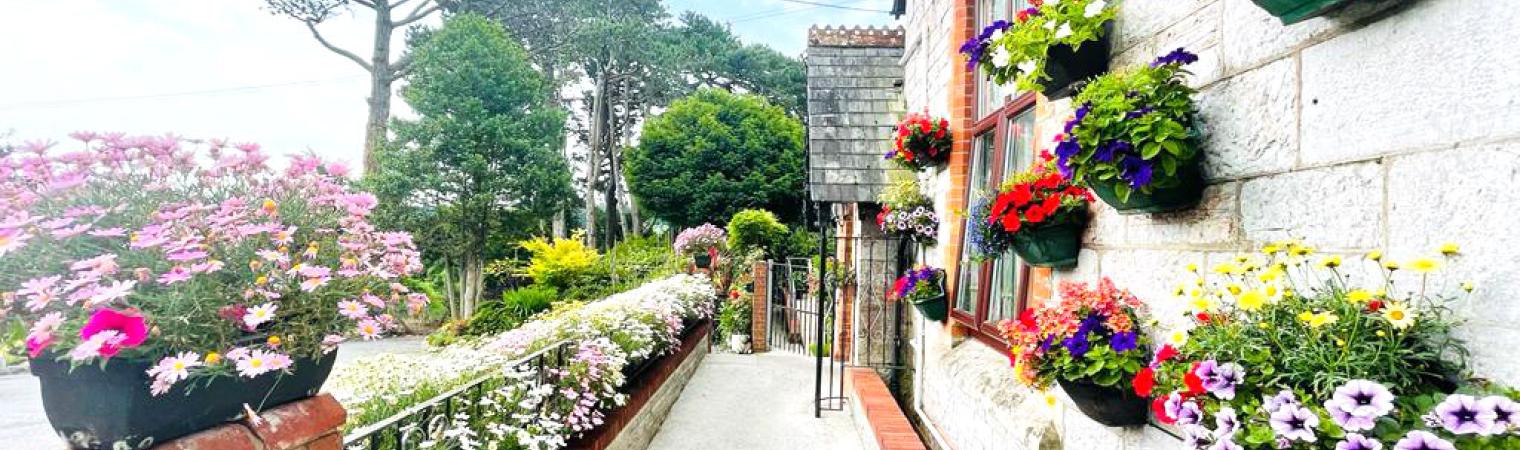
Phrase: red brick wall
x=310 y=424
x=645 y=386
x=759 y=299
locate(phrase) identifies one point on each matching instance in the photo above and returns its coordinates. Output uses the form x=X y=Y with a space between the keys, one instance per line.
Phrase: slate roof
x=854 y=104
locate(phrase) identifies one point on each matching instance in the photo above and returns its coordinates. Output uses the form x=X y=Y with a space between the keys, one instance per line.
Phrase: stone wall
x=1389 y=125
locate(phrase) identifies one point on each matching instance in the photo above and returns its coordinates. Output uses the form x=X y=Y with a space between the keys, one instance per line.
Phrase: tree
x=480 y=166
x=382 y=71
x=714 y=57
x=715 y=153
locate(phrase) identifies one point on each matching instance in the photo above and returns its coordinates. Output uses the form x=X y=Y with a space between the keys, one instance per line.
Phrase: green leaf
x=1122 y=190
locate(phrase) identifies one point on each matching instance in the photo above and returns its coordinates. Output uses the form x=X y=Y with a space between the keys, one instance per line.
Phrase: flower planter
x=738 y=343
x=935 y=308
x=1184 y=195
x=1110 y=406
x=1294 y=11
x=1067 y=66
x=702 y=260
x=111 y=408
x=1054 y=246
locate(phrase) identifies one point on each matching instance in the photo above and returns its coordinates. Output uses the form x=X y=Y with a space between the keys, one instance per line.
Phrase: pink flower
x=189 y=254
x=352 y=309
x=96 y=345
x=311 y=284
x=173 y=369
x=373 y=300
x=41 y=334
x=255 y=363
x=369 y=329
x=129 y=325
x=65 y=233
x=415 y=302
x=56 y=223
x=175 y=275
x=330 y=342
x=337 y=169
x=208 y=266
x=360 y=204
x=285 y=236
x=12 y=239
x=39 y=291
x=259 y=314
x=107 y=294
x=279 y=361
x=98 y=266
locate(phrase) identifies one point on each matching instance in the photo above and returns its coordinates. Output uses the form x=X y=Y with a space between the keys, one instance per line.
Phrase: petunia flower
x=1506 y=412
x=1423 y=440
x=1354 y=441
x=1294 y=423
x=1221 y=379
x=130 y=330
x=1356 y=405
x=1462 y=414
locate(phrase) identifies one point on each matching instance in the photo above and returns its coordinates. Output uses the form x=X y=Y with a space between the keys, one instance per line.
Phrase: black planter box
x=1185 y=195
x=111 y=408
x=1110 y=406
x=1054 y=246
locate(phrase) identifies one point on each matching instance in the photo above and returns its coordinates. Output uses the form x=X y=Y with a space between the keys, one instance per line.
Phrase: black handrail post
x=823 y=249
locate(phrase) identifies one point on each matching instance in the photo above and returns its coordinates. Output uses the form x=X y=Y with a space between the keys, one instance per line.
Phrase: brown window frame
x=997 y=123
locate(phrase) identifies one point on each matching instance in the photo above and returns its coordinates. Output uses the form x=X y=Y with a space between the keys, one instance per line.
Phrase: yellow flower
x=261 y=280
x=1202 y=304
x=1181 y=290
x=1305 y=316
x=1340 y=342
x=1226 y=268
x=273 y=341
x=213 y=358
x=1235 y=288
x=1381 y=333
x=1468 y=286
x=1450 y=248
x=1424 y=265
x=1398 y=315
x=1251 y=300
x=1390 y=265
x=1263 y=325
x=1271 y=274
x=1242 y=258
x=1359 y=296
x=1375 y=255
x=1317 y=319
x=1192 y=267
x=1301 y=250
x=1050 y=400
x=1177 y=338
x=1270 y=249
x=1330 y=262
x=268 y=206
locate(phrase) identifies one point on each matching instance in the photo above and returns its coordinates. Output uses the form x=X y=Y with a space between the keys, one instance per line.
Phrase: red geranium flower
x=1035 y=214
x=1144 y=382
x=1193 y=381
x=1011 y=222
x=1166 y=353
x=1022 y=195
x=925 y=127
x=1052 y=204
x=999 y=207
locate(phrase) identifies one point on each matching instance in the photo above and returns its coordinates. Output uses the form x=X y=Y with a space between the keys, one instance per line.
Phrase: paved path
x=24 y=426
x=753 y=402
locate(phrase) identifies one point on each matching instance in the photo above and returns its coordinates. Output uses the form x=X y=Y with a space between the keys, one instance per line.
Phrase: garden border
x=654 y=391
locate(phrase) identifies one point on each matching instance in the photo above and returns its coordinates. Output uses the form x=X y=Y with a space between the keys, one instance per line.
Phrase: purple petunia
x=1461 y=414
x=1221 y=379
x=1283 y=398
x=1355 y=441
x=1064 y=151
x=1078 y=116
x=1506 y=412
x=1123 y=342
x=1138 y=171
x=1197 y=437
x=1189 y=413
x=1178 y=56
x=1077 y=345
x=1109 y=150
x=1294 y=423
x=975 y=47
x=1358 y=404
x=1423 y=440
x=1226 y=423
x=1136 y=114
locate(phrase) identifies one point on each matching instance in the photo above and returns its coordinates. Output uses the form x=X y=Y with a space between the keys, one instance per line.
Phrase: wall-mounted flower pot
x=1294 y=11
x=1108 y=405
x=934 y=308
x=1183 y=195
x=702 y=260
x=1055 y=246
x=111 y=408
x=1066 y=66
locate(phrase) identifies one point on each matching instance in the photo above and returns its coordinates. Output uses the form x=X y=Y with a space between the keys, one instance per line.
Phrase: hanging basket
x=1055 y=245
x=1108 y=405
x=702 y=260
x=935 y=308
x=1294 y=11
x=111 y=408
x=1183 y=195
x=1066 y=66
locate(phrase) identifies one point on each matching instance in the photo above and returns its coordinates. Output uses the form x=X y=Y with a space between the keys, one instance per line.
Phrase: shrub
x=516 y=306
x=562 y=263
x=753 y=229
x=734 y=317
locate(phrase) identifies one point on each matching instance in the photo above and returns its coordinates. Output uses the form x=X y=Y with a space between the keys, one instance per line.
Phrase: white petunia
x=996 y=36
x=1064 y=31
x=1001 y=57
x=1094 y=9
x=1026 y=67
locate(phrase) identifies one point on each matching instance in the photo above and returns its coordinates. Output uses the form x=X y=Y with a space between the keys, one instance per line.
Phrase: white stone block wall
x=1389 y=125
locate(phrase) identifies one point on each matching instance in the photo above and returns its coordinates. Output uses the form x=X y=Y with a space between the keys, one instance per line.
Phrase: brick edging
x=309 y=424
x=888 y=426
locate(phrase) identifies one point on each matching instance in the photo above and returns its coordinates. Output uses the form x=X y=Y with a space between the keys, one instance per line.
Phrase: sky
x=229 y=69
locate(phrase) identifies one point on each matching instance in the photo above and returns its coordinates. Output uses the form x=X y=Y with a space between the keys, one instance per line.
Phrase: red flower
x=1158 y=409
x=1051 y=181
x=130 y=324
x=925 y=127
x=1203 y=317
x=900 y=286
x=1166 y=353
x=1144 y=382
x=1193 y=381
x=1022 y=195
x=1052 y=204
x=940 y=134
x=1011 y=222
x=1026 y=319
x=881 y=217
x=1059 y=137
x=1035 y=214
x=999 y=207
x=943 y=123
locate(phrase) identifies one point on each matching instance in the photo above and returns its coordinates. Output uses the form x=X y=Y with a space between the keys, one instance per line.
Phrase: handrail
x=375 y=434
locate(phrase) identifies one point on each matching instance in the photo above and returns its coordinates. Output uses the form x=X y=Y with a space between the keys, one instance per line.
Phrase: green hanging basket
x=1183 y=195
x=1294 y=11
x=1055 y=245
x=935 y=308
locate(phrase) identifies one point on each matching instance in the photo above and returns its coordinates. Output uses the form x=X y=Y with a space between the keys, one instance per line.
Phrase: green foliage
x=713 y=154
x=735 y=316
x=562 y=263
x=635 y=261
x=1027 y=43
x=1164 y=137
x=448 y=333
x=515 y=307
x=12 y=342
x=903 y=192
x=755 y=229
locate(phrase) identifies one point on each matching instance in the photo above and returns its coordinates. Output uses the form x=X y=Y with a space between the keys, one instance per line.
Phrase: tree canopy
x=715 y=153
x=480 y=166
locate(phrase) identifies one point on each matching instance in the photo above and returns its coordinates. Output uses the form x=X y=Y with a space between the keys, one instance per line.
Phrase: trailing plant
x=907 y=212
x=922 y=142
x=1283 y=350
x=1019 y=50
x=194 y=254
x=919 y=285
x=1036 y=198
x=1091 y=336
x=1134 y=129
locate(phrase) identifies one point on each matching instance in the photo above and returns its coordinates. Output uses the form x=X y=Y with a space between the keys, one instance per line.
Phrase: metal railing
x=425 y=424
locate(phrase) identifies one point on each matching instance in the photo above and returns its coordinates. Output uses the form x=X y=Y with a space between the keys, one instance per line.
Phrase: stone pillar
x=758 y=300
x=310 y=424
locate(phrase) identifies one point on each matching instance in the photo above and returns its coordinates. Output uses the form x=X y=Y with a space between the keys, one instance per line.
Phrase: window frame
x=997 y=122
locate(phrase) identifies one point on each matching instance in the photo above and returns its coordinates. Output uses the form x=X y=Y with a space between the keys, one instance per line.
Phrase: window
x=991 y=291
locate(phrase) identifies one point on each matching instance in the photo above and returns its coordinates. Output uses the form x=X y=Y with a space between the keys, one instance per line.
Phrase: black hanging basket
x=1108 y=405
x=702 y=260
x=1294 y=11
x=935 y=308
x=111 y=408
x=1066 y=66
x=1183 y=195
x=1055 y=245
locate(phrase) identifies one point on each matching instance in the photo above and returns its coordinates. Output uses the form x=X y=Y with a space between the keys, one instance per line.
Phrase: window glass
x=970 y=272
x=1018 y=152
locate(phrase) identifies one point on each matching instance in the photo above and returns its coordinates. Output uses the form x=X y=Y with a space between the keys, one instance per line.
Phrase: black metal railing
x=433 y=423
